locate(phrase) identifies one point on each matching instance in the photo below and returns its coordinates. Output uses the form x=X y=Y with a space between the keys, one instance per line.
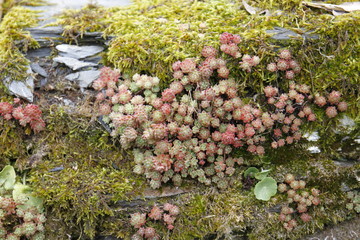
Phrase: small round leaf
x=251 y=171
x=265 y=189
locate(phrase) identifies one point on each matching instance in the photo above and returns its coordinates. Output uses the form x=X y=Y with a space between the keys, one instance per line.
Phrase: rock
x=68 y=102
x=286 y=34
x=78 y=52
x=313 y=137
x=43 y=82
x=20 y=88
x=84 y=78
x=38 y=53
x=314 y=149
x=346 y=124
x=38 y=69
x=73 y=63
x=47 y=36
x=346 y=230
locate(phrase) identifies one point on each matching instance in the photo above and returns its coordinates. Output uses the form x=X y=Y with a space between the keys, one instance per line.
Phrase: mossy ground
x=83 y=176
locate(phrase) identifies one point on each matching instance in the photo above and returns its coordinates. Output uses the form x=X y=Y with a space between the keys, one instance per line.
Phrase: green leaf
x=7 y=177
x=265 y=189
x=251 y=171
x=261 y=175
x=23 y=193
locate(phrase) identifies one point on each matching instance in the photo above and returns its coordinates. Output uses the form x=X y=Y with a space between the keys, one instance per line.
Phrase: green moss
x=14 y=40
x=11 y=144
x=91 y=18
x=147 y=39
x=82 y=191
x=151 y=35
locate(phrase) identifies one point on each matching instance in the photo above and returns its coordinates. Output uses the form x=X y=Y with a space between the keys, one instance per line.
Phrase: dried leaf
x=337 y=9
x=250 y=9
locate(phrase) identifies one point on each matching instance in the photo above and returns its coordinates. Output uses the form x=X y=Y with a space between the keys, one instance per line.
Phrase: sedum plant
x=191 y=128
x=25 y=114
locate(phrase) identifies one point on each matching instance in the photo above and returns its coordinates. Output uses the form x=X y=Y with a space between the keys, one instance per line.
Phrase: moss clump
x=151 y=35
x=77 y=178
x=12 y=145
x=14 y=40
x=91 y=18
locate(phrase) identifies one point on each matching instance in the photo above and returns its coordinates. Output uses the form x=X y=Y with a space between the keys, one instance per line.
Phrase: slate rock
x=287 y=34
x=73 y=63
x=78 y=52
x=84 y=78
x=38 y=53
x=22 y=89
x=38 y=69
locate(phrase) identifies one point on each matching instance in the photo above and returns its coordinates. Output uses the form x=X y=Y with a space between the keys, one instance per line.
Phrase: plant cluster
x=285 y=63
x=192 y=127
x=354 y=201
x=25 y=114
x=76 y=22
x=20 y=212
x=299 y=202
x=167 y=214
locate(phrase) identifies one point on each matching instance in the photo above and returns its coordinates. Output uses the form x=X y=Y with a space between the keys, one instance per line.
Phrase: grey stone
x=43 y=82
x=313 y=137
x=84 y=78
x=73 y=63
x=286 y=34
x=347 y=122
x=20 y=88
x=314 y=149
x=38 y=69
x=68 y=102
x=38 y=53
x=78 y=52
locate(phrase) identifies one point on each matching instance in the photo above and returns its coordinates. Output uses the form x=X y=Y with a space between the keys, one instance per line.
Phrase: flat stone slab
x=73 y=63
x=22 y=89
x=78 y=52
x=84 y=78
x=38 y=69
x=287 y=34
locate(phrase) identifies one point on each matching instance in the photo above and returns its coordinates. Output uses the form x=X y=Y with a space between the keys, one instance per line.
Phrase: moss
x=80 y=198
x=91 y=18
x=151 y=35
x=14 y=40
x=86 y=183
x=12 y=145
x=236 y=212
